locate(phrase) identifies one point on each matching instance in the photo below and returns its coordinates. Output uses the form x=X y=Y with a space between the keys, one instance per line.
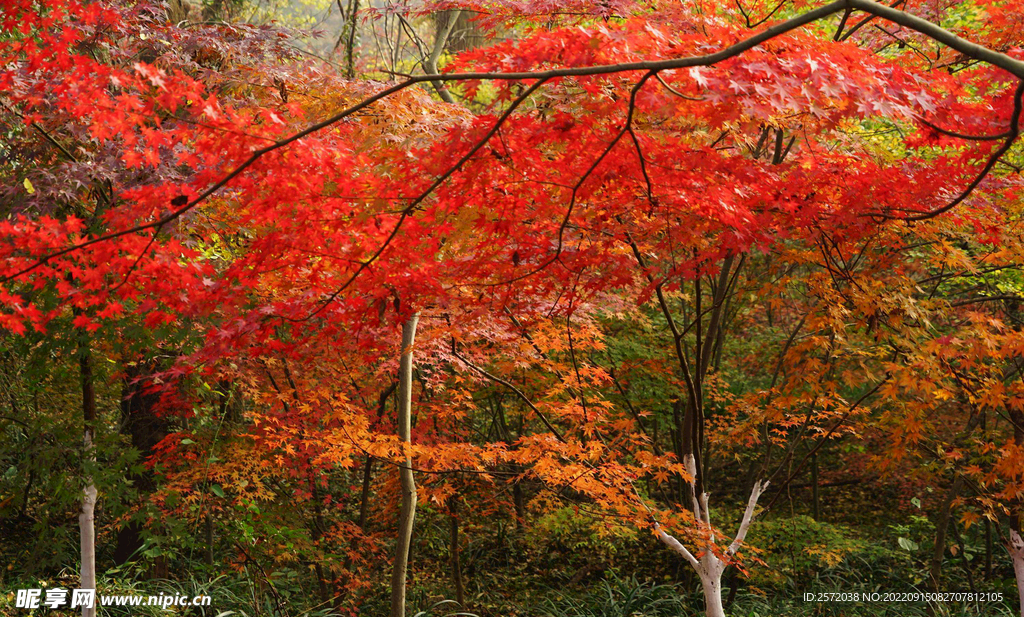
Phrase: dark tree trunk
x=453 y=517
x=141 y=423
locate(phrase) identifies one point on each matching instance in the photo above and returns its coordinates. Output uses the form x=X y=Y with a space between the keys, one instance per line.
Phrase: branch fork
x=710 y=563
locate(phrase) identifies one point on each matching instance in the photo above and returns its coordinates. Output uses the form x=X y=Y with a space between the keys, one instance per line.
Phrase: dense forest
x=494 y=308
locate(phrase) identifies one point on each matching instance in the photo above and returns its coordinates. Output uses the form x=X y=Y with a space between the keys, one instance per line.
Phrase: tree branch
x=677 y=546
x=748 y=516
x=933 y=31
x=514 y=389
x=1012 y=134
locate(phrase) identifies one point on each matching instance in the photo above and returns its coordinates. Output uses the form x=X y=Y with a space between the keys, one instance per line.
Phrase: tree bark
x=1016 y=546
x=177 y=11
x=86 y=517
x=1016 y=549
x=465 y=34
x=364 y=496
x=141 y=423
x=963 y=556
x=816 y=505
x=350 y=44
x=209 y=540
x=941 y=526
x=988 y=549
x=710 y=567
x=519 y=503
x=460 y=588
x=408 y=513
x=711 y=584
x=317 y=532
x=445 y=21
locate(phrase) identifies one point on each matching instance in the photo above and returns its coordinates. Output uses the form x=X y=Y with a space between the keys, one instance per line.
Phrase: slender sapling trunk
x=86 y=521
x=408 y=512
x=710 y=567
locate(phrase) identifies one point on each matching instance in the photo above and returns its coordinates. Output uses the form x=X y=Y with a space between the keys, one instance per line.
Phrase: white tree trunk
x=709 y=570
x=711 y=583
x=1016 y=550
x=408 y=513
x=86 y=524
x=710 y=566
x=87 y=531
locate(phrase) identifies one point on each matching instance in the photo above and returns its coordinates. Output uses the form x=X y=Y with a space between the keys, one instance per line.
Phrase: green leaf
x=219 y=492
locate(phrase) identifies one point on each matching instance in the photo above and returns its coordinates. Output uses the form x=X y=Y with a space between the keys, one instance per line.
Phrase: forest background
x=513 y=307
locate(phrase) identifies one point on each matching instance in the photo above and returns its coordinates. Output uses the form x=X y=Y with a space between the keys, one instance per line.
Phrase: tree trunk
x=988 y=549
x=408 y=512
x=141 y=422
x=519 y=502
x=88 y=536
x=86 y=516
x=815 y=497
x=209 y=540
x=711 y=583
x=316 y=533
x=445 y=22
x=710 y=567
x=465 y=34
x=709 y=570
x=941 y=526
x=963 y=556
x=350 y=44
x=460 y=588
x=177 y=11
x=1016 y=549
x=364 y=496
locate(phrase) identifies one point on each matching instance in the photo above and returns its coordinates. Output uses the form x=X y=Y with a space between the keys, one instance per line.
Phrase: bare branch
x=664 y=83
x=514 y=389
x=748 y=516
x=939 y=129
x=677 y=546
x=842 y=24
x=853 y=30
x=992 y=160
x=691 y=468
